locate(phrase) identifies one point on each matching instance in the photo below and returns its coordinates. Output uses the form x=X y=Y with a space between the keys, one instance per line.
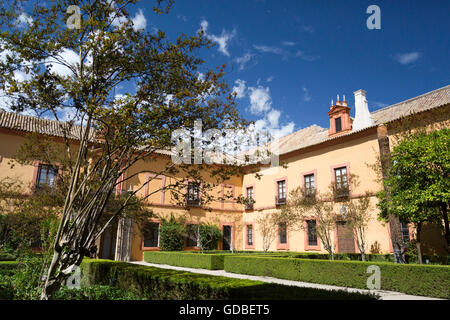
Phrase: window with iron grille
x=312 y=233
x=151 y=235
x=341 y=181
x=249 y=235
x=192 y=235
x=193 y=192
x=282 y=189
x=338 y=124
x=310 y=188
x=46 y=175
x=405 y=231
x=282 y=230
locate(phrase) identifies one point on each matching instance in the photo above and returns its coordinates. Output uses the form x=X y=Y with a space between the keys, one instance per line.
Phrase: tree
x=358 y=217
x=71 y=74
x=419 y=181
x=267 y=225
x=302 y=206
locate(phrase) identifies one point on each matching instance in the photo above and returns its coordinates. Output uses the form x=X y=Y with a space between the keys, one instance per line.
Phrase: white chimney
x=363 y=119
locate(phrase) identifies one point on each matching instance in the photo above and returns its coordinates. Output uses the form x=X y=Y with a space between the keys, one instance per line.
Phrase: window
x=310 y=188
x=251 y=201
x=282 y=233
x=338 y=124
x=250 y=193
x=151 y=235
x=192 y=233
x=341 y=181
x=405 y=231
x=312 y=234
x=249 y=235
x=46 y=175
x=282 y=189
x=193 y=197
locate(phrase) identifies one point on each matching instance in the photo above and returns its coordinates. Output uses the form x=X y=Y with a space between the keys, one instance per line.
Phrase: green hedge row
x=7 y=257
x=186 y=259
x=424 y=280
x=6 y=266
x=157 y=283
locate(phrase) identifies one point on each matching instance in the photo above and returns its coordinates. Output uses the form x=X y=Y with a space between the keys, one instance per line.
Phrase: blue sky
x=287 y=59
x=295 y=56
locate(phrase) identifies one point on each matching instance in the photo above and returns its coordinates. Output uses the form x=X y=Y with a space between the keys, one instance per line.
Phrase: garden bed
x=156 y=283
x=424 y=280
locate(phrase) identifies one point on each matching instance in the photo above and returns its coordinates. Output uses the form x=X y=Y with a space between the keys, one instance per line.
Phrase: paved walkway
x=384 y=295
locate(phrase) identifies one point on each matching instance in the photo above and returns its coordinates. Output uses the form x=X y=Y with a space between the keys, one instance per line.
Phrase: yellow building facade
x=315 y=157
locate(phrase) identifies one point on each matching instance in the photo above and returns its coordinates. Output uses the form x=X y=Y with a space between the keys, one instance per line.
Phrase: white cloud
x=302 y=55
x=309 y=29
x=242 y=61
x=269 y=79
x=240 y=88
x=260 y=100
x=288 y=43
x=406 y=58
x=273 y=116
x=67 y=56
x=306 y=96
x=139 y=21
x=222 y=40
x=269 y=49
x=24 y=20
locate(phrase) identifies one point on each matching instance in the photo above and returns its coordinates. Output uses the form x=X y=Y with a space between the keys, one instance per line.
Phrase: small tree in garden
x=267 y=226
x=358 y=216
x=302 y=206
x=209 y=236
x=172 y=234
x=70 y=74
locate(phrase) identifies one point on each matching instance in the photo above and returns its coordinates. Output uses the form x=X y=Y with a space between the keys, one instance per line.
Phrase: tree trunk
x=124 y=239
x=419 y=250
x=446 y=226
x=385 y=159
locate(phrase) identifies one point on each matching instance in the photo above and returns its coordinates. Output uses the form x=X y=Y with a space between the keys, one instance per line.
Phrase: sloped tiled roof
x=314 y=134
x=26 y=123
x=303 y=138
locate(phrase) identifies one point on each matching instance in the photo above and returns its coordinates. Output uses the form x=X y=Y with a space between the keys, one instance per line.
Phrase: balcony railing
x=193 y=202
x=249 y=205
x=280 y=201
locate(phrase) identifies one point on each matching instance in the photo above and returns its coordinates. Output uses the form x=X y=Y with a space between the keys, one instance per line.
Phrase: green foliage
x=186 y=259
x=27 y=278
x=419 y=178
x=172 y=233
x=164 y=284
x=95 y=292
x=210 y=235
x=422 y=280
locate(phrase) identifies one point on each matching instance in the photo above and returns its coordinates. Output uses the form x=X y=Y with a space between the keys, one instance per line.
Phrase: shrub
x=186 y=259
x=156 y=283
x=210 y=235
x=172 y=235
x=95 y=292
x=425 y=280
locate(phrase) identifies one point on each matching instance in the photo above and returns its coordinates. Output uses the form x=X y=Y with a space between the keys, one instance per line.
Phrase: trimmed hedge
x=7 y=257
x=8 y=267
x=156 y=283
x=186 y=259
x=424 y=280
